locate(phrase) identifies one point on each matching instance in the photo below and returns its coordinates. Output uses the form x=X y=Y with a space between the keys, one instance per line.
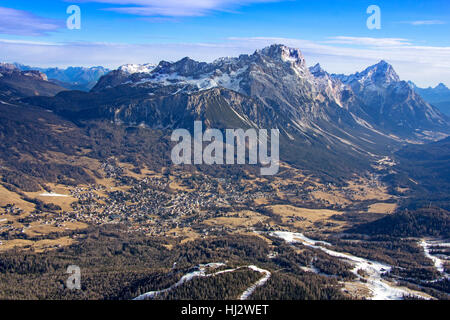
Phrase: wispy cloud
x=424 y=22
x=29 y=42
x=401 y=50
x=23 y=23
x=377 y=42
x=425 y=65
x=175 y=8
x=111 y=55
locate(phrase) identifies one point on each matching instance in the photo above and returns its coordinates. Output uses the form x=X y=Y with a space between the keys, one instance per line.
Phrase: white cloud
x=400 y=50
x=377 y=42
x=19 y=22
x=175 y=8
x=110 y=54
x=29 y=42
x=425 y=22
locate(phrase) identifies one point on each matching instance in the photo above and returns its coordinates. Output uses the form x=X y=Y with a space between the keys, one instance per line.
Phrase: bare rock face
x=393 y=104
x=16 y=83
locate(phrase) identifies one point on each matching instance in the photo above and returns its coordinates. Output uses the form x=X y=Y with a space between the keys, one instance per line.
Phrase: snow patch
x=201 y=272
x=52 y=194
x=247 y=293
x=137 y=68
x=439 y=262
x=380 y=289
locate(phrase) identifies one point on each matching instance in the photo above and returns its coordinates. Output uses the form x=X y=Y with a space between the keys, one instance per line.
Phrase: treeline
x=422 y=222
x=38 y=147
x=425 y=171
x=117 y=265
x=226 y=286
x=29 y=135
x=294 y=287
x=406 y=256
x=403 y=253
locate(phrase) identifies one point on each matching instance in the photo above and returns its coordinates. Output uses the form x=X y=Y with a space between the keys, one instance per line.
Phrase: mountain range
x=336 y=116
x=277 y=78
x=15 y=84
x=333 y=124
x=438 y=96
x=72 y=78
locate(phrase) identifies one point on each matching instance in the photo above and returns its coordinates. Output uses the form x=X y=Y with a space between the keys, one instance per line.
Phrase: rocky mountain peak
x=441 y=86
x=283 y=53
x=317 y=71
x=7 y=67
x=381 y=73
x=13 y=71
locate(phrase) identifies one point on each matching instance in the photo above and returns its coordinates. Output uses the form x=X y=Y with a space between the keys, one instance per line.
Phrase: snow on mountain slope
x=137 y=68
x=381 y=74
x=392 y=104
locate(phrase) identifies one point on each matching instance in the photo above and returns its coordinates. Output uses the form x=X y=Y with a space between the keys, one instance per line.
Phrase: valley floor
x=185 y=208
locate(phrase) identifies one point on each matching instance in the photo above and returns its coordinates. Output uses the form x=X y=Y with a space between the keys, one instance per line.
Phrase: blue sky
x=414 y=35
